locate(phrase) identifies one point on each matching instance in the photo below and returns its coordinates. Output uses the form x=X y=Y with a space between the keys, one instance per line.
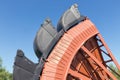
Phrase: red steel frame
x=79 y=56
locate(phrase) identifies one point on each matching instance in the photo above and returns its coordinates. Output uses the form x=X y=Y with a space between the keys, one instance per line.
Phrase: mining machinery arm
x=74 y=50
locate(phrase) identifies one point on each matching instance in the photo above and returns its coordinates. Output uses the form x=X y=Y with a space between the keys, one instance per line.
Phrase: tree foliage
x=115 y=69
x=4 y=74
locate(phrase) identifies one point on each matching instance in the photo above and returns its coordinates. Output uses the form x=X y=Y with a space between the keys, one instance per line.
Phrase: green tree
x=4 y=74
x=0 y=63
x=116 y=70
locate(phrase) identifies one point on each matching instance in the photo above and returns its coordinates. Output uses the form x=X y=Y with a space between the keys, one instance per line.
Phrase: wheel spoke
x=77 y=75
x=100 y=64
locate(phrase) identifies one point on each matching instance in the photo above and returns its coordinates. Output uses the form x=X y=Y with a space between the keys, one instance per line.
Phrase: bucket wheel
x=79 y=56
x=73 y=51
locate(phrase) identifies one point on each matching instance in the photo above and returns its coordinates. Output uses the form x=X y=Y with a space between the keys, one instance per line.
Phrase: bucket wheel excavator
x=74 y=50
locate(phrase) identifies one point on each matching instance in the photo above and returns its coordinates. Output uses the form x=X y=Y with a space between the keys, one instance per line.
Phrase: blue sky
x=20 y=20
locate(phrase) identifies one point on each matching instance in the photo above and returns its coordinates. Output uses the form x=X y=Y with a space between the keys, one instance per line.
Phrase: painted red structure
x=79 y=56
